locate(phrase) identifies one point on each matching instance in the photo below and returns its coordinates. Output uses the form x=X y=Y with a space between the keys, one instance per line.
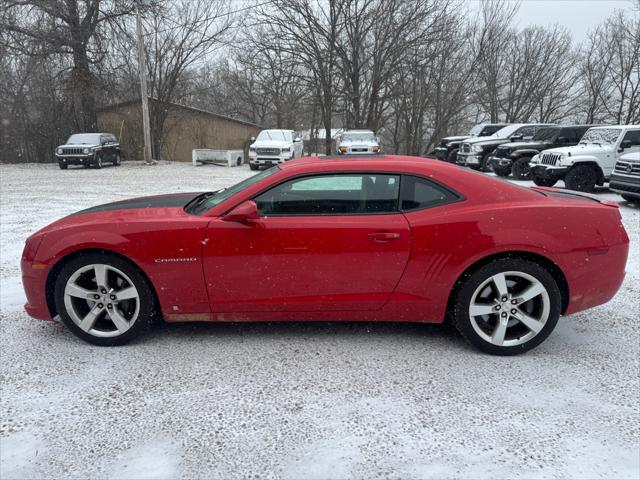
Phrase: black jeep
x=89 y=150
x=514 y=157
x=448 y=148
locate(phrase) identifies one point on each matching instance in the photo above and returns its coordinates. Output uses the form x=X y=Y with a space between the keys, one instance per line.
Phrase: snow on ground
x=300 y=400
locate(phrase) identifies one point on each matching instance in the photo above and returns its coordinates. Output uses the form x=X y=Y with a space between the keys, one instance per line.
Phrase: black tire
x=521 y=169
x=484 y=163
x=117 y=161
x=253 y=167
x=63 y=166
x=460 y=313
x=582 y=178
x=98 y=161
x=453 y=155
x=502 y=171
x=544 y=182
x=630 y=199
x=148 y=310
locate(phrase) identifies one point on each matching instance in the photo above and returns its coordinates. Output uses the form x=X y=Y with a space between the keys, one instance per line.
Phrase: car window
x=335 y=194
x=526 y=131
x=633 y=136
x=418 y=193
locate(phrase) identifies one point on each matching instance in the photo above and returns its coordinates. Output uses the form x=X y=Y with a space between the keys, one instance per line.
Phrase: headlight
x=252 y=149
x=59 y=150
x=85 y=150
x=535 y=159
x=476 y=148
x=449 y=145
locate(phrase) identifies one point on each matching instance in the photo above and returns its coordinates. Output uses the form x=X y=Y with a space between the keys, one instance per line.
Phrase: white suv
x=589 y=163
x=272 y=147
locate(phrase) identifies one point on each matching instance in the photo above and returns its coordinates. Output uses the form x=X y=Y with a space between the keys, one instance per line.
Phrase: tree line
x=412 y=70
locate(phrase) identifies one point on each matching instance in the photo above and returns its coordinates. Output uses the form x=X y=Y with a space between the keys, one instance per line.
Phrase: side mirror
x=516 y=138
x=243 y=213
x=624 y=145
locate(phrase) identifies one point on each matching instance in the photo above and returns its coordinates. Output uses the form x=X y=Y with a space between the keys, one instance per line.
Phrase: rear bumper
x=625 y=184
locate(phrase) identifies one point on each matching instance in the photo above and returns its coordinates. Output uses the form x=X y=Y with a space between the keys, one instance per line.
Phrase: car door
x=107 y=154
x=323 y=242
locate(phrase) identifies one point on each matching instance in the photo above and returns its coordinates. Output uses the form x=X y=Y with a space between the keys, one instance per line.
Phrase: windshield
x=84 y=139
x=279 y=135
x=358 y=137
x=601 y=136
x=209 y=200
x=507 y=131
x=475 y=131
x=546 y=133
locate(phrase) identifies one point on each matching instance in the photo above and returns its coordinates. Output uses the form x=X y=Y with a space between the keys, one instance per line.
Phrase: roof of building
x=181 y=106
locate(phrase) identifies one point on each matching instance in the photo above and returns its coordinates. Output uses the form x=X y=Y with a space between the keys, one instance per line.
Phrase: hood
x=143 y=208
x=583 y=149
x=487 y=141
x=271 y=144
x=519 y=145
x=457 y=138
x=78 y=145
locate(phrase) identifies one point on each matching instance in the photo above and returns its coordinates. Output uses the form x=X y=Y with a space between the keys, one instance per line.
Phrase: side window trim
x=397 y=211
x=455 y=196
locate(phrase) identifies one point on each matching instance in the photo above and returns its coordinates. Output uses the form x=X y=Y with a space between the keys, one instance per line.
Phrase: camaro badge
x=172 y=260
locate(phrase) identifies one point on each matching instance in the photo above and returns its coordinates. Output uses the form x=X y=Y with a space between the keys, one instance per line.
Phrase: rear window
x=419 y=193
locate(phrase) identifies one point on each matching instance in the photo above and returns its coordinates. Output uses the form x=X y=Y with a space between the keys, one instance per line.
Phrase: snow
x=300 y=400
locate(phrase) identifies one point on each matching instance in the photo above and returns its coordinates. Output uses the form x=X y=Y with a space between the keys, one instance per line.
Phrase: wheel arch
x=549 y=265
x=61 y=262
x=593 y=163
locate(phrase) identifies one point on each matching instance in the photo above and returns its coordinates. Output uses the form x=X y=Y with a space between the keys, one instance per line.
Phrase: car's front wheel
x=118 y=160
x=453 y=155
x=582 y=178
x=103 y=299
x=508 y=306
x=521 y=169
x=62 y=165
x=544 y=182
x=502 y=171
x=253 y=166
x=630 y=199
x=98 y=162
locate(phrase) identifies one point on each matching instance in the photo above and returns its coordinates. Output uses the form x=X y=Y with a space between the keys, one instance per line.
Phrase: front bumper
x=266 y=161
x=548 y=172
x=625 y=184
x=499 y=162
x=76 y=159
x=469 y=159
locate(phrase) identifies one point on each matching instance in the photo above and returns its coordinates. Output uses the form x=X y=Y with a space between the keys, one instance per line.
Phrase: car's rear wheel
x=98 y=163
x=521 y=169
x=118 y=160
x=103 y=299
x=582 y=178
x=508 y=306
x=544 y=182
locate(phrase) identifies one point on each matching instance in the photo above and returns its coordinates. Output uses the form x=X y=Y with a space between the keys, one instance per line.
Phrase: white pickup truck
x=272 y=147
x=589 y=163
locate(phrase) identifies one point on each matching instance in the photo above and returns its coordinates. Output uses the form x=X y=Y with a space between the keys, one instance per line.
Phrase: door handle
x=383 y=236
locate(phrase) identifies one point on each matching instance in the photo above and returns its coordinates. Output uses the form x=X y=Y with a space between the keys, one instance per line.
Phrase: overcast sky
x=579 y=16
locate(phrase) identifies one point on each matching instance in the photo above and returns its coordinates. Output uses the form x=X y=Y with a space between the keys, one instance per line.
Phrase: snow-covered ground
x=301 y=400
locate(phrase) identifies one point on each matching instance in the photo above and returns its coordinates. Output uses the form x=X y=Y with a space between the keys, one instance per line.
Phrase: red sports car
x=383 y=238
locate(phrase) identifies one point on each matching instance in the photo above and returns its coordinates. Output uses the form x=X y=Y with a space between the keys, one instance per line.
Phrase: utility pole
x=142 y=66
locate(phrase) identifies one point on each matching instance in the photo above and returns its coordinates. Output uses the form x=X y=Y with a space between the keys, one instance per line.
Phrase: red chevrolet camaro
x=383 y=238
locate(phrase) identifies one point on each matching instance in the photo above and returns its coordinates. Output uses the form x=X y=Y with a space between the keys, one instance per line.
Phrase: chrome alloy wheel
x=102 y=300
x=509 y=308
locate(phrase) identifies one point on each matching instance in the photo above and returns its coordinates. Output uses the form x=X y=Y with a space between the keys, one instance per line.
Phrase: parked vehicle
x=474 y=152
x=514 y=157
x=407 y=239
x=448 y=147
x=89 y=150
x=589 y=163
x=357 y=142
x=625 y=178
x=272 y=147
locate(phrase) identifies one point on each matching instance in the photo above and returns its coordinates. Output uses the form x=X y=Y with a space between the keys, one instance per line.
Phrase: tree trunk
x=83 y=87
